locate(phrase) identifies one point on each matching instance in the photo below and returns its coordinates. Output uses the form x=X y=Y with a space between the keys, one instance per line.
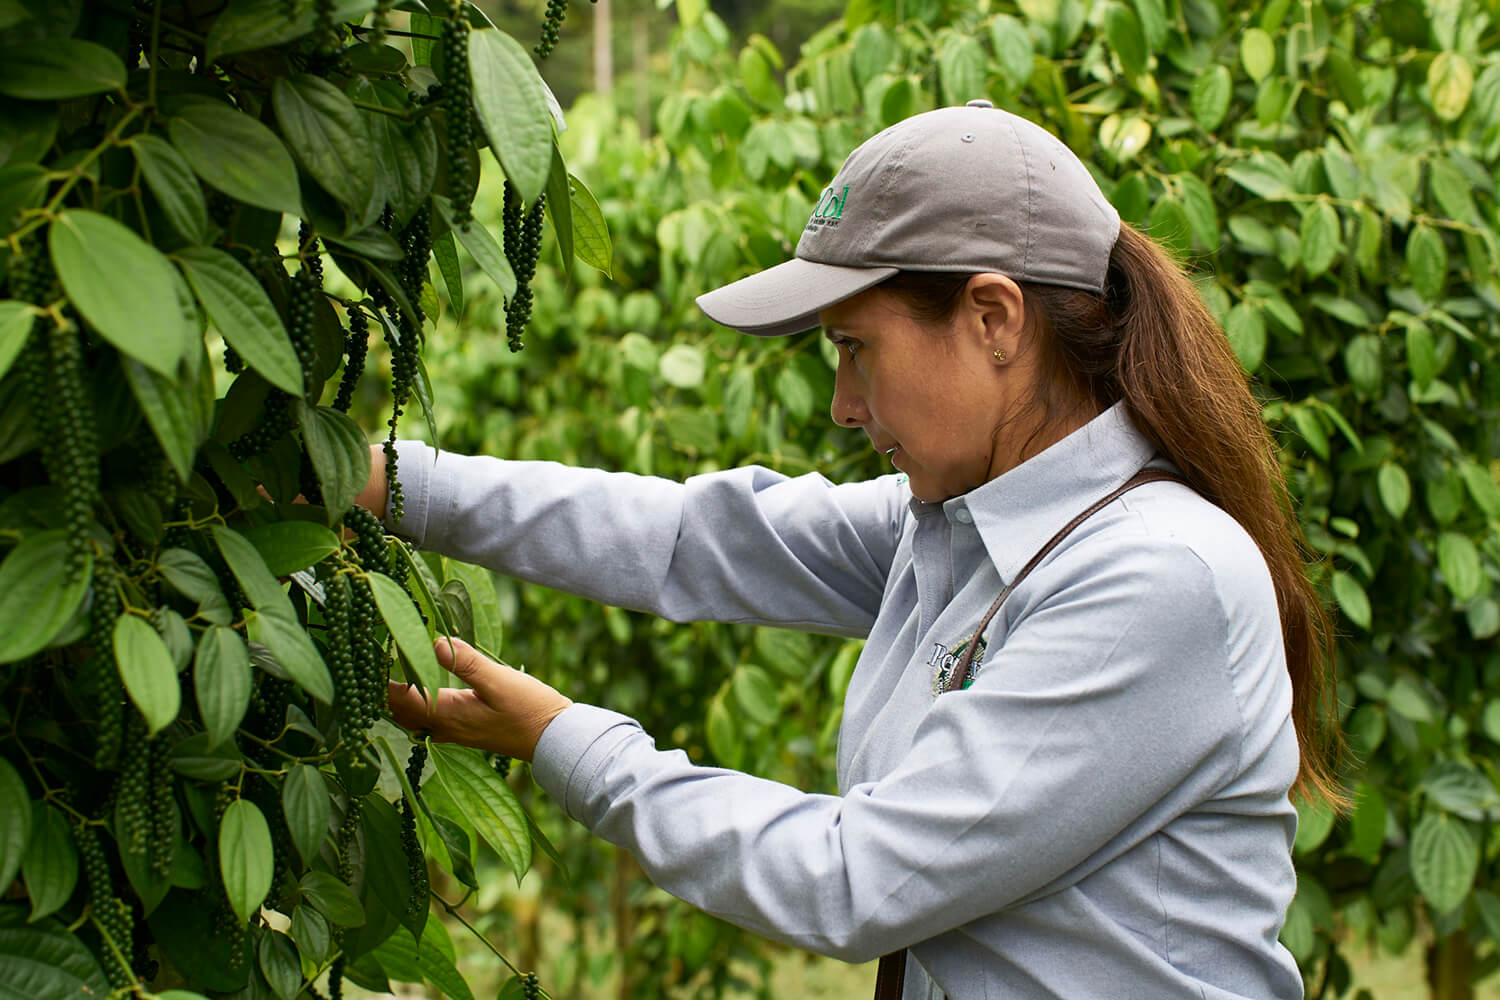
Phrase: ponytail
x=1149 y=340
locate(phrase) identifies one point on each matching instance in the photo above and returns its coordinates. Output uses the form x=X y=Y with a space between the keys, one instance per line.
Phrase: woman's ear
x=996 y=313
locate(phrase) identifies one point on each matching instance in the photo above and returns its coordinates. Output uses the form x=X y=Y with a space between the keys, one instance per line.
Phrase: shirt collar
x=1018 y=512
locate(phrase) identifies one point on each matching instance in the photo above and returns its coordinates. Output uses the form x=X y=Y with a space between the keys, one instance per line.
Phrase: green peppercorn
x=277 y=417
x=556 y=11
x=457 y=105
x=133 y=788
x=350 y=694
x=370 y=539
x=104 y=675
x=356 y=347
x=345 y=837
x=416 y=862
x=163 y=832
x=111 y=915
x=302 y=301
x=77 y=443
x=523 y=245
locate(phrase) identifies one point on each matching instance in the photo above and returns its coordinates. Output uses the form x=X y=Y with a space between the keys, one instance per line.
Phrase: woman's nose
x=848 y=407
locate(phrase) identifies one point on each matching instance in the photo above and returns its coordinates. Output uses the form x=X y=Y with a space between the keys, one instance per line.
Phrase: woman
x=1091 y=800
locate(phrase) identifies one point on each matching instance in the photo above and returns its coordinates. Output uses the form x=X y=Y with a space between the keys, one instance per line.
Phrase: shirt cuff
x=572 y=749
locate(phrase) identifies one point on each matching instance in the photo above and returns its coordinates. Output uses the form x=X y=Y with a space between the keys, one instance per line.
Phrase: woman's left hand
x=502 y=710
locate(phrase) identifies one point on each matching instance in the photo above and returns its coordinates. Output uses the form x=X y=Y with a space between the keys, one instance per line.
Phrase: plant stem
x=382 y=109
x=401 y=34
x=46 y=212
x=114 y=950
x=452 y=911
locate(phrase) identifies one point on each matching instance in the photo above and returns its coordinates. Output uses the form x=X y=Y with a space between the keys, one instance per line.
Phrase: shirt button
x=962 y=516
x=979 y=103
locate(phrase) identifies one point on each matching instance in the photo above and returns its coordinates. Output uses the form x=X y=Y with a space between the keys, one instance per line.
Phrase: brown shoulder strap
x=890 y=977
x=956 y=679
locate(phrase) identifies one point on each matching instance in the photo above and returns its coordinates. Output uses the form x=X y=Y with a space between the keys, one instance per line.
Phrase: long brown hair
x=1150 y=340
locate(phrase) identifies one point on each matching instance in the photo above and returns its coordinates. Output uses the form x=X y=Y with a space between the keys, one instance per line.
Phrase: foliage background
x=1328 y=172
x=197 y=796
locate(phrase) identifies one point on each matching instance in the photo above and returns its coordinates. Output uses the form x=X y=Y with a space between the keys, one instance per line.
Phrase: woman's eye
x=849 y=346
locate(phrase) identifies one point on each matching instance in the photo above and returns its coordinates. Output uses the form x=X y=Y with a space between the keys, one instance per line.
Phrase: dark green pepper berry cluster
x=531 y=988
x=32 y=365
x=556 y=11
x=133 y=789
x=344 y=839
x=523 y=245
x=302 y=313
x=77 y=443
x=416 y=863
x=416 y=241
x=112 y=916
x=52 y=376
x=356 y=347
x=276 y=418
x=369 y=539
x=353 y=694
x=404 y=354
x=456 y=103
x=103 y=675
x=163 y=843
x=371 y=660
x=307 y=250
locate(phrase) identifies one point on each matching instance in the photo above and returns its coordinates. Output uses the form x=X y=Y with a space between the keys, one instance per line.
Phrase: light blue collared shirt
x=1101 y=813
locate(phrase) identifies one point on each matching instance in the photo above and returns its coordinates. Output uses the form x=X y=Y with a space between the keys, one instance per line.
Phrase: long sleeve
x=745 y=545
x=1116 y=703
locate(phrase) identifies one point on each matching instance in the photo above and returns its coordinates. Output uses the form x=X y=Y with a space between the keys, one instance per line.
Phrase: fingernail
x=444 y=649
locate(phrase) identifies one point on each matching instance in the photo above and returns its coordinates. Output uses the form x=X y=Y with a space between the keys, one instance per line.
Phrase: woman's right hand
x=373 y=496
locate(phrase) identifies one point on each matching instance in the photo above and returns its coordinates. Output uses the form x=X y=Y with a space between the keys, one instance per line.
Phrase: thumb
x=466 y=663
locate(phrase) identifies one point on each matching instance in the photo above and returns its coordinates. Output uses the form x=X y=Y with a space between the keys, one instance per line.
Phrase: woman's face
x=933 y=398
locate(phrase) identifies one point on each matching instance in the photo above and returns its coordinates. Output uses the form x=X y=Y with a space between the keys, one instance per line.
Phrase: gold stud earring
x=1000 y=354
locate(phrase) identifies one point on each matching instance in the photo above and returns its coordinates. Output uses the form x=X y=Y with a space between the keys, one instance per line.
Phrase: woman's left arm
x=1109 y=709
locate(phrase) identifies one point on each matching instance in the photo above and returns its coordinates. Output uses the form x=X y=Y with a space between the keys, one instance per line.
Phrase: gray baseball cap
x=970 y=189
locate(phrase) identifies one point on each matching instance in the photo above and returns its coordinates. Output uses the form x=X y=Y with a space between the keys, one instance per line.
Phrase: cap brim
x=786 y=299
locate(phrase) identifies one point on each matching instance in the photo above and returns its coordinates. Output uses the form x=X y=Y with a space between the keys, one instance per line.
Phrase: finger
x=470 y=666
x=409 y=709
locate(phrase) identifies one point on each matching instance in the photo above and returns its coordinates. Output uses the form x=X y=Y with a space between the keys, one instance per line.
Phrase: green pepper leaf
x=512 y=104
x=123 y=286
x=246 y=859
x=38 y=593
x=243 y=313
x=60 y=69
x=236 y=154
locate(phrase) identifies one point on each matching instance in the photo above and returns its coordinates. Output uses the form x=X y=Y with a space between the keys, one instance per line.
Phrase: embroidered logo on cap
x=830 y=209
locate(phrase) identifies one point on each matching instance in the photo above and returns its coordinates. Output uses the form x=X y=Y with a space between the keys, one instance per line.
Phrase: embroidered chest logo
x=830 y=209
x=945 y=661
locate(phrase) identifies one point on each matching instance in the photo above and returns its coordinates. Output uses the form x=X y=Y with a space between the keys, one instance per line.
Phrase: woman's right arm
x=744 y=545
x=373 y=497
